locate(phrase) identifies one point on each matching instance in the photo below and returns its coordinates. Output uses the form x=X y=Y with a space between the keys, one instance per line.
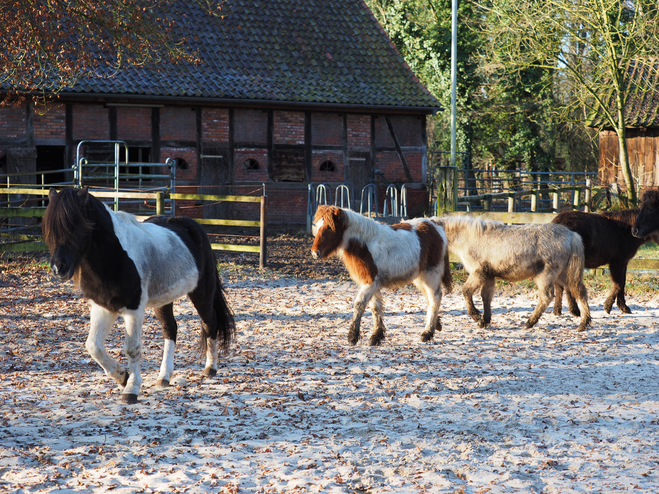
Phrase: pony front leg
x=101 y=321
x=487 y=293
x=133 y=348
x=470 y=286
x=363 y=297
x=545 y=296
x=165 y=315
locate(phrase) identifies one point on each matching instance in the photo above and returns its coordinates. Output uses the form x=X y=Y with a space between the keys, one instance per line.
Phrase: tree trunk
x=625 y=167
x=622 y=146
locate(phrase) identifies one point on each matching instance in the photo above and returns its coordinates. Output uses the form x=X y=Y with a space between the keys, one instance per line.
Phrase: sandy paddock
x=294 y=408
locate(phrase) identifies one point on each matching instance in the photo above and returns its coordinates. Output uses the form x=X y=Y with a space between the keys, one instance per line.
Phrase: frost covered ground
x=294 y=408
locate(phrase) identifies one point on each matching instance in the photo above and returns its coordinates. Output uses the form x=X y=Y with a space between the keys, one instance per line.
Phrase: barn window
x=251 y=164
x=328 y=166
x=288 y=165
x=181 y=164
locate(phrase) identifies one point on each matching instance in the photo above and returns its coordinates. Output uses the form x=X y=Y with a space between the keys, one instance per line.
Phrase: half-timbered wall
x=234 y=150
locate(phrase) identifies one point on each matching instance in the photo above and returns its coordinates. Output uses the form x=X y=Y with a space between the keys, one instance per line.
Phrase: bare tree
x=590 y=44
x=49 y=44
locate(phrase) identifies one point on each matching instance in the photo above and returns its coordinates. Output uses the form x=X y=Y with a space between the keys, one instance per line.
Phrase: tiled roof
x=300 y=51
x=642 y=106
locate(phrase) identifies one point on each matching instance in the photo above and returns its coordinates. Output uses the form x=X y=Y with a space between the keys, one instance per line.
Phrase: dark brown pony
x=647 y=221
x=607 y=239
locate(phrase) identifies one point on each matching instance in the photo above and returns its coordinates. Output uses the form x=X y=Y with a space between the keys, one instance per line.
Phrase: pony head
x=330 y=223
x=647 y=220
x=67 y=229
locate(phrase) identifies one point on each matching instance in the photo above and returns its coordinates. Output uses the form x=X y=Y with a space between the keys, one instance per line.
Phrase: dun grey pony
x=550 y=254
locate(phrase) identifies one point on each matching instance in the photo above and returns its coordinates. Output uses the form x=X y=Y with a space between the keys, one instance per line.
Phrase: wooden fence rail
x=31 y=243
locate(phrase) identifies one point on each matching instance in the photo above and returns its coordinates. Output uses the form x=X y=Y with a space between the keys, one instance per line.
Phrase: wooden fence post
x=160 y=203
x=263 y=233
x=534 y=201
x=587 y=195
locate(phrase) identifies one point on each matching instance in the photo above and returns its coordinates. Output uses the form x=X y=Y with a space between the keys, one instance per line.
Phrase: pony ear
x=84 y=195
x=52 y=193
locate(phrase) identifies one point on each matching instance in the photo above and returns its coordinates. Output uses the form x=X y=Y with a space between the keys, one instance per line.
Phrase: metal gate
x=121 y=175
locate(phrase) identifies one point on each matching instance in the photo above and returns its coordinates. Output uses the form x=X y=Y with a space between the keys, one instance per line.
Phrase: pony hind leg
x=208 y=339
x=545 y=296
x=558 y=299
x=618 y=273
x=217 y=319
x=581 y=295
x=100 y=324
x=133 y=320
x=433 y=294
x=165 y=315
x=379 y=330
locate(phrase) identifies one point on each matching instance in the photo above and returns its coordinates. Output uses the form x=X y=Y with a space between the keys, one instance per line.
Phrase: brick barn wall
x=178 y=124
x=243 y=175
x=359 y=130
x=49 y=122
x=215 y=125
x=250 y=126
x=326 y=129
x=12 y=122
x=288 y=127
x=90 y=122
x=325 y=176
x=287 y=205
x=134 y=124
x=188 y=176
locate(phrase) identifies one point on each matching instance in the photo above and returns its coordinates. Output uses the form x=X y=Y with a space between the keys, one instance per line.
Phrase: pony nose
x=59 y=269
x=635 y=231
x=315 y=254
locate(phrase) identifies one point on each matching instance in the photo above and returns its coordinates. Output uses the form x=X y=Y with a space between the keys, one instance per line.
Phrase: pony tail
x=576 y=267
x=226 y=325
x=447 y=276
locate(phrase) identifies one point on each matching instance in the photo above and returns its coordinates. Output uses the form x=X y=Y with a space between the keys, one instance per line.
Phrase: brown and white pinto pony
x=378 y=255
x=550 y=254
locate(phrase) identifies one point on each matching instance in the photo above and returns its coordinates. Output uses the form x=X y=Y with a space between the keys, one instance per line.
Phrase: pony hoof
x=123 y=381
x=129 y=398
x=625 y=310
x=427 y=337
x=210 y=372
x=607 y=308
x=162 y=383
x=375 y=342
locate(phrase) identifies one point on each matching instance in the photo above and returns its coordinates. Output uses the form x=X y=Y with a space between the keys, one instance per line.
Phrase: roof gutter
x=149 y=100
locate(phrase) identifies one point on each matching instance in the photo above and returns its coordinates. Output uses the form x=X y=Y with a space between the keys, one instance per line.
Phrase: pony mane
x=627 y=216
x=367 y=227
x=651 y=196
x=66 y=221
x=474 y=226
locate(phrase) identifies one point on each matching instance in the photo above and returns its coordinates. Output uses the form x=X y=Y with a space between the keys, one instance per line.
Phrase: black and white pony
x=378 y=255
x=123 y=266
